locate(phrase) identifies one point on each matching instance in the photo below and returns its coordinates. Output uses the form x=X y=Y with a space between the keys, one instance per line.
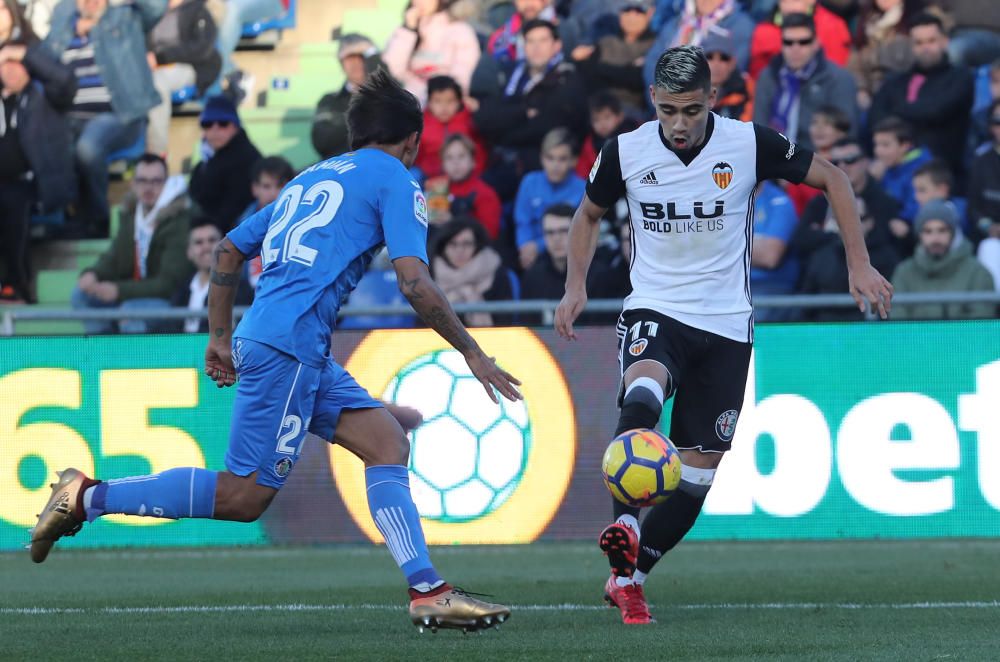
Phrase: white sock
x=423 y=587
x=87 y=495
x=624 y=581
x=639 y=577
x=629 y=521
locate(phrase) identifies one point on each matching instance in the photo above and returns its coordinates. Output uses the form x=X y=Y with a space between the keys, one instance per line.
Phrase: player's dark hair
x=604 y=100
x=840 y=120
x=927 y=18
x=382 y=112
x=149 y=157
x=897 y=127
x=437 y=84
x=938 y=171
x=540 y=23
x=560 y=209
x=798 y=20
x=276 y=166
x=683 y=69
x=448 y=231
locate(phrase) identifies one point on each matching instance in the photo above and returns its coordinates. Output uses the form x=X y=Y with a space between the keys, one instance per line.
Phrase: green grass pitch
x=912 y=601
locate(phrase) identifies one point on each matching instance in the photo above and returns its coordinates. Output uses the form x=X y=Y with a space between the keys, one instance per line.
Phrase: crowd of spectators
x=902 y=95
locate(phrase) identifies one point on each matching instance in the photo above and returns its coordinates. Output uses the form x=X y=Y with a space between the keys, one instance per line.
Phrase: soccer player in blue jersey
x=315 y=240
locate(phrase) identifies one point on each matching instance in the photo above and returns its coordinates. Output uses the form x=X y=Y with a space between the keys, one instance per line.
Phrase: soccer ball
x=641 y=467
x=470 y=454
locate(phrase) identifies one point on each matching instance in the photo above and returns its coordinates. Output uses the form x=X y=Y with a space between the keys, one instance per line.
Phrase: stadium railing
x=10 y=316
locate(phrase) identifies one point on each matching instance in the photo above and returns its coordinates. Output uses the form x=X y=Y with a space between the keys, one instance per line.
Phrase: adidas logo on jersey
x=649 y=179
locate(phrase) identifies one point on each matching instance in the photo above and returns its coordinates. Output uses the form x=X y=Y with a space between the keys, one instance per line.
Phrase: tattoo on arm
x=219 y=332
x=410 y=289
x=437 y=313
x=224 y=279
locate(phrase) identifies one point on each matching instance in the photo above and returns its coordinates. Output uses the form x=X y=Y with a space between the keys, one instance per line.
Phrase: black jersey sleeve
x=780 y=158
x=605 y=185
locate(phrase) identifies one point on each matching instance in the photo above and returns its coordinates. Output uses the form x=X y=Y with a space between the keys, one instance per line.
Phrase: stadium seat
x=283 y=22
x=377 y=288
x=131 y=153
x=184 y=95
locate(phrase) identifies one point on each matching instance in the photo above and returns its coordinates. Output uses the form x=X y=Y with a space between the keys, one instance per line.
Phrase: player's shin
x=641 y=408
x=170 y=494
x=668 y=522
x=396 y=517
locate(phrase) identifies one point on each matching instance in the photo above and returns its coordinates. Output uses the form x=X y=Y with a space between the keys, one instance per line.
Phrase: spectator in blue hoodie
x=774 y=267
x=897 y=158
x=555 y=182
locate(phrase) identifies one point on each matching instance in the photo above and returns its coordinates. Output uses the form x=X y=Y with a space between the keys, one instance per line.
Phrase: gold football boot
x=63 y=514
x=452 y=608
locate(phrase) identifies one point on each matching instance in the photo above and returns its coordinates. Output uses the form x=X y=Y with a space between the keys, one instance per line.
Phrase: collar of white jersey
x=686 y=156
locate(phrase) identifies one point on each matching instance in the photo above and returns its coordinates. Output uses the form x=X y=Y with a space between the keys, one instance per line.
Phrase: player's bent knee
x=395 y=450
x=641 y=406
x=240 y=498
x=696 y=481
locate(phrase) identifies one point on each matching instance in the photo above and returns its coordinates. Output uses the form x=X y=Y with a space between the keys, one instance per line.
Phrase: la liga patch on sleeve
x=420 y=207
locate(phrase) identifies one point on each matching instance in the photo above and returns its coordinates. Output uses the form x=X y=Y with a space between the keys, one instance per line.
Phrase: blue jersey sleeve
x=404 y=219
x=249 y=235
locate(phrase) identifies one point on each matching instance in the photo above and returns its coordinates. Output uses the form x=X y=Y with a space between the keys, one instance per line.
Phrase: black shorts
x=708 y=375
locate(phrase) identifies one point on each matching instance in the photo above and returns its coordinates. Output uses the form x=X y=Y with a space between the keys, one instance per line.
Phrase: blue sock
x=171 y=494
x=391 y=506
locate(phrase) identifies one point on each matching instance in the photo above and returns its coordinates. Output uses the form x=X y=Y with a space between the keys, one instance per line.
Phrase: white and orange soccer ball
x=641 y=467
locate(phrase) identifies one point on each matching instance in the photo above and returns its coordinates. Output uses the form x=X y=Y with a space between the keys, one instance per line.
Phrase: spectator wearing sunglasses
x=220 y=184
x=818 y=241
x=879 y=207
x=831 y=32
x=734 y=89
x=799 y=81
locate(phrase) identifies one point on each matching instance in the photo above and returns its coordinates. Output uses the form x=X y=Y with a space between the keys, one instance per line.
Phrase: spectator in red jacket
x=445 y=115
x=468 y=195
x=831 y=30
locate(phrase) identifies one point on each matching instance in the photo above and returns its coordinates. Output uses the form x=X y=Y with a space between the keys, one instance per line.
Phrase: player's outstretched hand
x=569 y=309
x=867 y=284
x=493 y=378
x=219 y=363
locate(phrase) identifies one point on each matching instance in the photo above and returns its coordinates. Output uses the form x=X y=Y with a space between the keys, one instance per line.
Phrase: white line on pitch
x=205 y=609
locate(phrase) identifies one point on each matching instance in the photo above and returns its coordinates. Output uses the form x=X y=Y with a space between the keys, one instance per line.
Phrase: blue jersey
x=316 y=241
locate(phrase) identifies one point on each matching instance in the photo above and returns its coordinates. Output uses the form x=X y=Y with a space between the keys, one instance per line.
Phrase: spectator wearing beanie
x=358 y=58
x=220 y=183
x=941 y=264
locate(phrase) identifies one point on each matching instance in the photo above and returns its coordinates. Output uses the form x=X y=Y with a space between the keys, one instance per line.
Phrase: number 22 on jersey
x=285 y=239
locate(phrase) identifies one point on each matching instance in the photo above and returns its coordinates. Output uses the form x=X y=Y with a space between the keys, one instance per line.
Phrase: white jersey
x=692 y=217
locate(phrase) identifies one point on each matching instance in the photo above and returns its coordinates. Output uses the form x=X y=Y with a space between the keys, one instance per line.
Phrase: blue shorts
x=279 y=399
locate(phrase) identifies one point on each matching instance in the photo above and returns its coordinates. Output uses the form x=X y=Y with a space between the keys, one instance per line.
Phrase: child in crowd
x=555 y=182
x=269 y=176
x=897 y=158
x=934 y=181
x=445 y=115
x=466 y=194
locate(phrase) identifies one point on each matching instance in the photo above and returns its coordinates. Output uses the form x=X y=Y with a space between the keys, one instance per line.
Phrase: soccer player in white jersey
x=686 y=330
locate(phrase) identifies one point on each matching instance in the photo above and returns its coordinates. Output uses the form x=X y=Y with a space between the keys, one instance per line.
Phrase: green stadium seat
x=302 y=90
x=283 y=132
x=54 y=286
